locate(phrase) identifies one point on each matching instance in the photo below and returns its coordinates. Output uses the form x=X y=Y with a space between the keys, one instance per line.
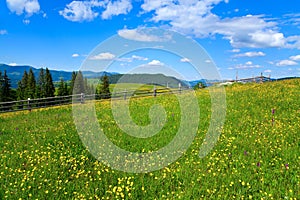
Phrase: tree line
x=42 y=86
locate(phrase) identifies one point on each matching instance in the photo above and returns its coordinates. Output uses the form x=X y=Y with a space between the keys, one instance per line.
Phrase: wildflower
x=286 y=166
x=245 y=153
x=17 y=128
x=273 y=111
x=258 y=164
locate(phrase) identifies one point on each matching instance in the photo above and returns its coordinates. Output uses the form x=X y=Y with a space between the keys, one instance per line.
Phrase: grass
x=42 y=156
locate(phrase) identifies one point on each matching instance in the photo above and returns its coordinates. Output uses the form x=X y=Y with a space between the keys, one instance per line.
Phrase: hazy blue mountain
x=15 y=74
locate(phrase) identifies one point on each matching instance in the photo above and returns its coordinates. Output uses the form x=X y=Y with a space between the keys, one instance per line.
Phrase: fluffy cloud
x=135 y=57
x=286 y=63
x=23 y=6
x=185 y=60
x=103 y=56
x=26 y=21
x=155 y=63
x=116 y=8
x=3 y=32
x=267 y=71
x=132 y=58
x=295 y=58
x=247 y=65
x=142 y=36
x=250 y=54
x=13 y=64
x=78 y=11
x=195 y=17
x=75 y=55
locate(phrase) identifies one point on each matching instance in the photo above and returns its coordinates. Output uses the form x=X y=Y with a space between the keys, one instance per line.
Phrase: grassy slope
x=42 y=155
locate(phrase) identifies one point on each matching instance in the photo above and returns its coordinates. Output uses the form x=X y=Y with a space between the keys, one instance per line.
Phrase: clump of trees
x=28 y=87
x=6 y=93
x=42 y=86
x=200 y=85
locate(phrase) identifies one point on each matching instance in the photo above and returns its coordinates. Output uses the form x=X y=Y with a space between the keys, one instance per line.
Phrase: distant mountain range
x=15 y=74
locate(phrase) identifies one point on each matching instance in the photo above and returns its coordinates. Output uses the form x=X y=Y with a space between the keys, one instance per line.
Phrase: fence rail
x=30 y=104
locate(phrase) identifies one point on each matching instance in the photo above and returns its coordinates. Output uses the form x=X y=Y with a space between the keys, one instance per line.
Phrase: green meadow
x=256 y=157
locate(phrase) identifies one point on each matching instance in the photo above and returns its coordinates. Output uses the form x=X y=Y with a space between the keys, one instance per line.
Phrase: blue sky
x=241 y=36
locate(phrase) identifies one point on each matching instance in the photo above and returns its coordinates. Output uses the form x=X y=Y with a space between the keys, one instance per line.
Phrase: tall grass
x=42 y=157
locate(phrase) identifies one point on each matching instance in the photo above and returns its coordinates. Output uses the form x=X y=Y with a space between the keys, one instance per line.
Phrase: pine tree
x=22 y=87
x=6 y=88
x=103 y=88
x=31 y=85
x=62 y=88
x=74 y=74
x=41 y=85
x=49 y=86
x=78 y=86
x=1 y=86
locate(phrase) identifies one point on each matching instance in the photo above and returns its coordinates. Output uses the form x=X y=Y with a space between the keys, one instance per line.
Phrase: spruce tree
x=31 y=85
x=62 y=88
x=22 y=87
x=1 y=86
x=74 y=74
x=41 y=84
x=103 y=88
x=49 y=87
x=78 y=86
x=6 y=88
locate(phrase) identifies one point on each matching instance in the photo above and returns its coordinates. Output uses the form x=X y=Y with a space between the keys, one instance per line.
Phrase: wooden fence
x=30 y=104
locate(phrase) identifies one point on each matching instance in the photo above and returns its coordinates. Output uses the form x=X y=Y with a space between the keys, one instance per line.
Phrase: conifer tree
x=22 y=87
x=49 y=86
x=1 y=86
x=31 y=85
x=62 y=88
x=41 y=84
x=6 y=88
x=103 y=88
x=78 y=86
x=74 y=74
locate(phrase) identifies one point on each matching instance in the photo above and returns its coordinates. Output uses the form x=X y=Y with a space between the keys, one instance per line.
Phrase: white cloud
x=75 y=55
x=150 y=5
x=185 y=60
x=116 y=8
x=247 y=65
x=267 y=71
x=135 y=57
x=3 y=32
x=295 y=58
x=78 y=11
x=132 y=58
x=23 y=6
x=26 y=21
x=195 y=17
x=235 y=50
x=155 y=63
x=103 y=56
x=141 y=35
x=250 y=54
x=286 y=63
x=12 y=64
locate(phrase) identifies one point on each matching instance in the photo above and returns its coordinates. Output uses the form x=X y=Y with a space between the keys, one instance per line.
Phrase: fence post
x=82 y=98
x=28 y=104
x=125 y=94
x=154 y=91
x=179 y=85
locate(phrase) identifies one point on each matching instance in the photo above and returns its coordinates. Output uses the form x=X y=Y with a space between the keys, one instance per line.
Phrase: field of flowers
x=257 y=155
